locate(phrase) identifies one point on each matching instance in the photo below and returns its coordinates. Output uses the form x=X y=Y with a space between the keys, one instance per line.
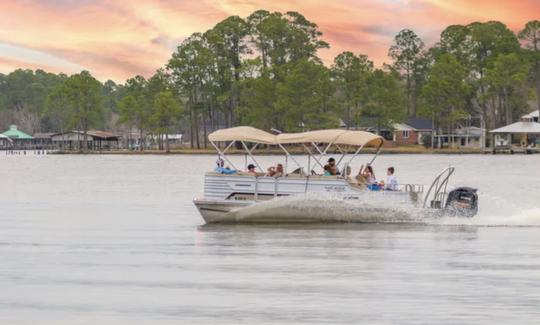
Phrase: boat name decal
x=335 y=188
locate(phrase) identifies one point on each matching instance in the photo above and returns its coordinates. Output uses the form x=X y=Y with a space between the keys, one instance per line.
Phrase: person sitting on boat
x=275 y=171
x=222 y=169
x=279 y=171
x=332 y=165
x=369 y=175
x=327 y=170
x=251 y=170
x=391 y=180
x=271 y=171
x=371 y=180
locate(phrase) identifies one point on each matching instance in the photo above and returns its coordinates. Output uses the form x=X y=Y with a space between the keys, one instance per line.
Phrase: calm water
x=116 y=240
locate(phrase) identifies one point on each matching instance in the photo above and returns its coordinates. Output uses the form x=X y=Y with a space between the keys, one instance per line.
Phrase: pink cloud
x=121 y=39
x=7 y=65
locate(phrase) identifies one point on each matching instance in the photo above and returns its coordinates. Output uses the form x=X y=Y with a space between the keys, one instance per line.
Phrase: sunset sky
x=119 y=39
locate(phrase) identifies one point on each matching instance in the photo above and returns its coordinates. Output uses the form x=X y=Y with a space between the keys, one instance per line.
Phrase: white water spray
x=374 y=208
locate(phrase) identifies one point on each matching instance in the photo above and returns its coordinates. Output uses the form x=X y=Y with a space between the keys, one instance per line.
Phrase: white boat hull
x=245 y=198
x=300 y=209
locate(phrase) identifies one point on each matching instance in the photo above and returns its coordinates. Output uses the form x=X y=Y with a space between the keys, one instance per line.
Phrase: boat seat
x=298 y=171
x=359 y=182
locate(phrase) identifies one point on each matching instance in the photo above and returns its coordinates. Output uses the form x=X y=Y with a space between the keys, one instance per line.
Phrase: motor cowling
x=462 y=202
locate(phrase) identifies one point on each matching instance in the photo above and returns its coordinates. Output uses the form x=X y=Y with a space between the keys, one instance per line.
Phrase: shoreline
x=416 y=150
x=384 y=151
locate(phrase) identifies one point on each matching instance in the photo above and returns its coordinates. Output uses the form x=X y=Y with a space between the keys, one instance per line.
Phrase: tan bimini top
x=243 y=133
x=332 y=136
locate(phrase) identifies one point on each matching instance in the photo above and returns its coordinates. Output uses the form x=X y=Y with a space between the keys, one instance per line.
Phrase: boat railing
x=260 y=180
x=256 y=189
x=408 y=188
x=436 y=195
x=416 y=188
x=256 y=192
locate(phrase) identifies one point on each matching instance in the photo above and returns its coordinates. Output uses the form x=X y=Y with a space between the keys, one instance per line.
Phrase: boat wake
x=499 y=211
x=381 y=209
x=312 y=207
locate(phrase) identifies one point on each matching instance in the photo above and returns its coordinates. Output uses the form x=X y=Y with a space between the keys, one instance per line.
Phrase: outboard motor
x=462 y=202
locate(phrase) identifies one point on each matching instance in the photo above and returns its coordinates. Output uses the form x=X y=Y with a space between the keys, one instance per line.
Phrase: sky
x=120 y=39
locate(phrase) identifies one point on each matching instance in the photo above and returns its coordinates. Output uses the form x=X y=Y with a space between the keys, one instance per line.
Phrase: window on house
x=406 y=134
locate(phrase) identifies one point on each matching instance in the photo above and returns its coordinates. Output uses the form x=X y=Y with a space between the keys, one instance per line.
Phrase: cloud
x=120 y=39
x=15 y=53
x=7 y=65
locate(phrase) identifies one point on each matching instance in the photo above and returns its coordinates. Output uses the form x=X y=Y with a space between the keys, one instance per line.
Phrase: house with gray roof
x=413 y=131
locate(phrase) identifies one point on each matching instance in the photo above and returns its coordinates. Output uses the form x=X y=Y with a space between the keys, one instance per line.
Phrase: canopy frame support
x=288 y=155
x=376 y=153
x=343 y=154
x=312 y=155
x=322 y=143
x=221 y=154
x=354 y=155
x=321 y=154
x=249 y=152
x=324 y=153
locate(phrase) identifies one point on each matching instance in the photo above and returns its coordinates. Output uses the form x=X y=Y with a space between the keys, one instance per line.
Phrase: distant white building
x=176 y=138
x=173 y=138
x=526 y=134
x=5 y=141
x=531 y=117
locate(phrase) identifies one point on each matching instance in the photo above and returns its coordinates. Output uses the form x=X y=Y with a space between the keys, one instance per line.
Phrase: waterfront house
x=19 y=139
x=96 y=140
x=175 y=139
x=524 y=134
x=369 y=124
x=413 y=131
x=469 y=136
x=5 y=142
x=531 y=117
x=410 y=132
x=132 y=140
x=42 y=140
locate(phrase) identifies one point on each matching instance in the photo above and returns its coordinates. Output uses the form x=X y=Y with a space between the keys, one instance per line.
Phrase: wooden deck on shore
x=513 y=150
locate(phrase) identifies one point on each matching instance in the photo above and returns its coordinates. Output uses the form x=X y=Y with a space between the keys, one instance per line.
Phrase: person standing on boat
x=391 y=180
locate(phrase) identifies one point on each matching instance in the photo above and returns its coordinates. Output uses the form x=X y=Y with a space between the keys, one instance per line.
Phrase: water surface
x=116 y=239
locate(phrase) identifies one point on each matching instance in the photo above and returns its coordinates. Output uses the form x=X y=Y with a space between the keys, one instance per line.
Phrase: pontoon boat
x=302 y=195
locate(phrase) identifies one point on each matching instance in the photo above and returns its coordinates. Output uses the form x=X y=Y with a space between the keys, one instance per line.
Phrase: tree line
x=264 y=70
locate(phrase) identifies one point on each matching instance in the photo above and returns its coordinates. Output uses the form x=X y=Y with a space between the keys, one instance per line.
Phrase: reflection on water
x=341 y=228
x=104 y=239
